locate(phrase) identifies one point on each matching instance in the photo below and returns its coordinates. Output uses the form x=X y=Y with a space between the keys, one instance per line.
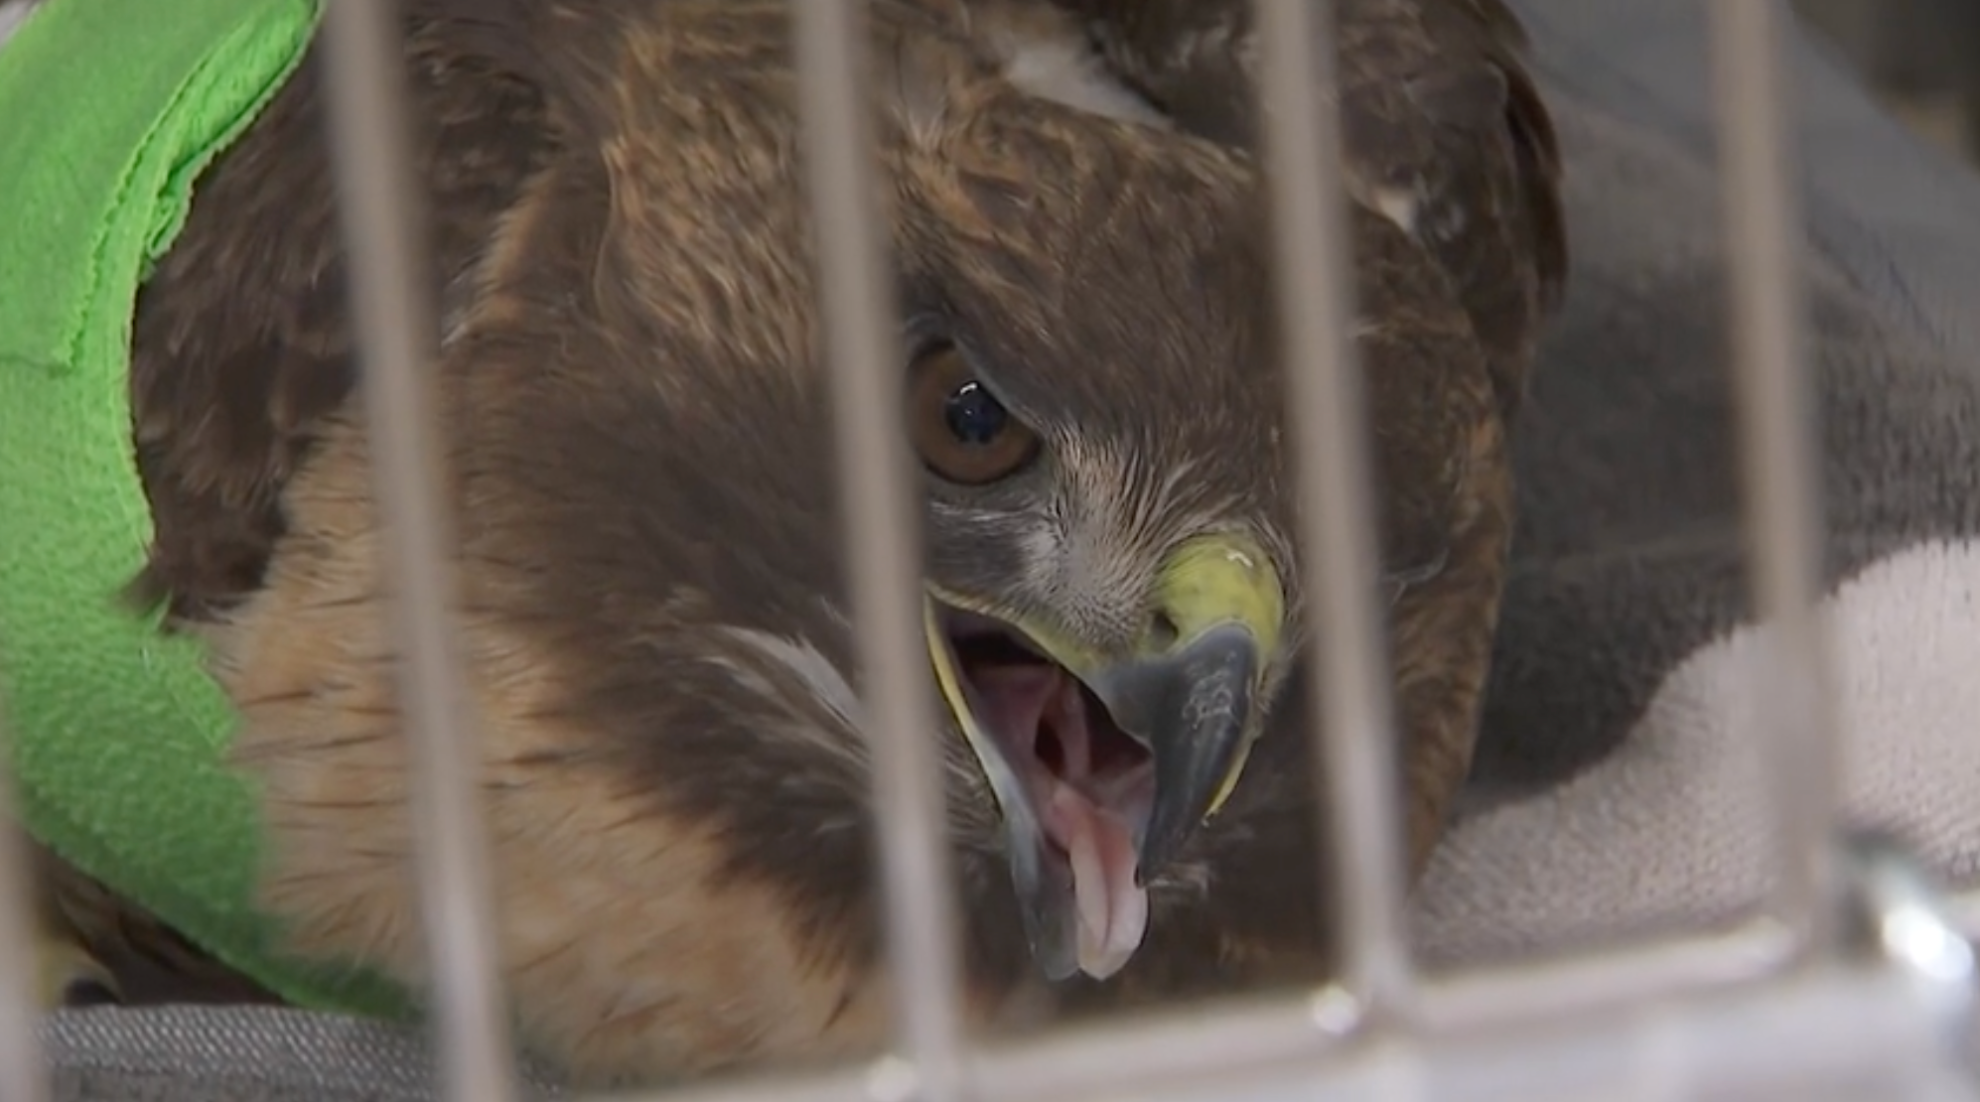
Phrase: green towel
x=108 y=110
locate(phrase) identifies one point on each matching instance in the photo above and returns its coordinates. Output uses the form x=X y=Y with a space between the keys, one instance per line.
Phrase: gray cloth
x=1612 y=789
x=241 y=1054
x=1618 y=787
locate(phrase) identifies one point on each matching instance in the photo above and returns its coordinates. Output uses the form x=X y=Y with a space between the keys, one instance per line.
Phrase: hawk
x=636 y=423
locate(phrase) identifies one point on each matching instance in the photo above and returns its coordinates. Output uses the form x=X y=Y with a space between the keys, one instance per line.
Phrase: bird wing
x=240 y=344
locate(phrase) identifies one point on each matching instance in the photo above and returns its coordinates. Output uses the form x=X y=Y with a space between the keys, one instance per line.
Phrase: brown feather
x=637 y=432
x=1437 y=104
x=240 y=344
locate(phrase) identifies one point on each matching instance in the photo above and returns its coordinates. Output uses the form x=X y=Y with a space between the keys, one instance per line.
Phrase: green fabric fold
x=109 y=110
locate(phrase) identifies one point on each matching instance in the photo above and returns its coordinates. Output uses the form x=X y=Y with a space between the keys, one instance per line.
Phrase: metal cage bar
x=21 y=1077
x=883 y=550
x=1762 y=216
x=1354 y=719
x=397 y=332
x=1678 y=1010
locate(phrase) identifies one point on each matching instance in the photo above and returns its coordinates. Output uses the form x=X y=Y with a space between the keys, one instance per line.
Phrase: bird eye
x=960 y=429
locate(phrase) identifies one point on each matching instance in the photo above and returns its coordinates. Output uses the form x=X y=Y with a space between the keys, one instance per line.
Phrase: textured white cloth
x=1667 y=829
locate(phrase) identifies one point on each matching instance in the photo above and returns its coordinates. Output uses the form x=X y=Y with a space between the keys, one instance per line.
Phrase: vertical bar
x=1779 y=460
x=882 y=535
x=23 y=1071
x=1354 y=718
x=396 y=331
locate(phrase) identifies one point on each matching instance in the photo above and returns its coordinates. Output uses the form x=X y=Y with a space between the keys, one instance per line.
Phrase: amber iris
x=958 y=427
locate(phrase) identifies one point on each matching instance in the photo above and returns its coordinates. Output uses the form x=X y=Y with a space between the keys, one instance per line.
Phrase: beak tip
x=1160 y=846
x=1202 y=742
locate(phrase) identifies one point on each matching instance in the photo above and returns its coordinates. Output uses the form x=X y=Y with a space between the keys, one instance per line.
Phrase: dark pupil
x=973 y=415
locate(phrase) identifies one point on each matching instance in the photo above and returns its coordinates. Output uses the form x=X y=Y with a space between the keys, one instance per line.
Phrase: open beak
x=1104 y=765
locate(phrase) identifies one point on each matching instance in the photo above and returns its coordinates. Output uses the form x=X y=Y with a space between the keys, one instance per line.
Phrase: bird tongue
x=1021 y=702
x=1113 y=909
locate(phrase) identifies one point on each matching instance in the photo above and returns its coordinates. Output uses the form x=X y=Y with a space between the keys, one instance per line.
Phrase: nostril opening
x=1163 y=632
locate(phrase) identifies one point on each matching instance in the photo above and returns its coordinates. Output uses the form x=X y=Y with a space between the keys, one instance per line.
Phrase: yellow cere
x=1222 y=579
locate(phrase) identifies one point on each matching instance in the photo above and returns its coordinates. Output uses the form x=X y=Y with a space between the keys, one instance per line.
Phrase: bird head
x=1092 y=413
x=1104 y=620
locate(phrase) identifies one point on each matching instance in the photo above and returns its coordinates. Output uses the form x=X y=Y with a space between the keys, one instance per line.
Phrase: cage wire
x=1855 y=980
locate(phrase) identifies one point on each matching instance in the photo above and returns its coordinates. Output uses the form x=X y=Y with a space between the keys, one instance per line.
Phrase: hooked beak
x=1154 y=752
x=1192 y=708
